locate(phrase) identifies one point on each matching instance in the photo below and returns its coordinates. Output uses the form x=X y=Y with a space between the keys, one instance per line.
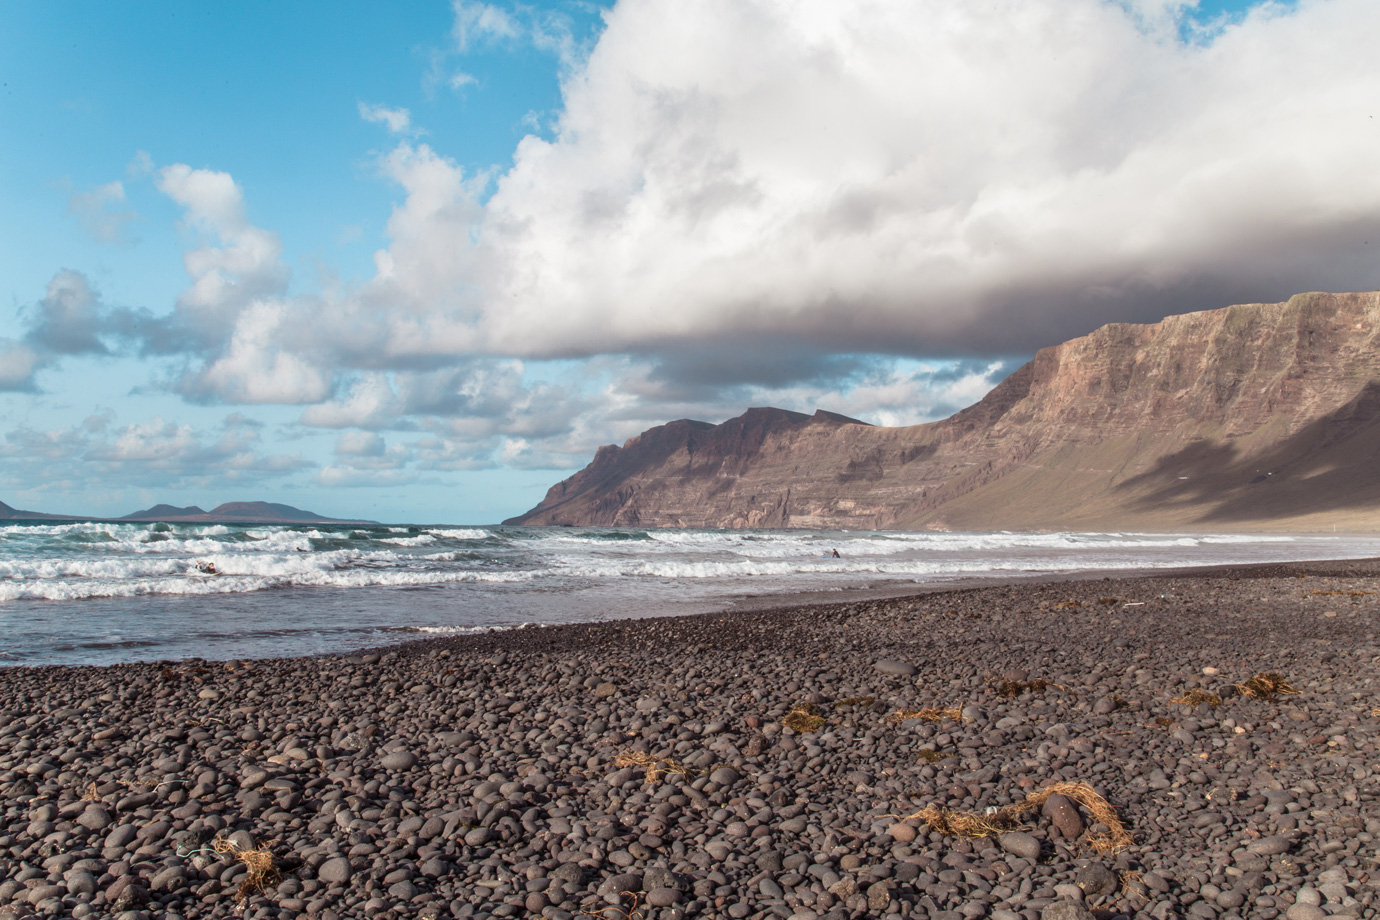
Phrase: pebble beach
x=1200 y=745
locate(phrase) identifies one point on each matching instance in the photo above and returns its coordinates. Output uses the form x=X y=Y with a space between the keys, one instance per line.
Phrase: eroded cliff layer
x=1252 y=417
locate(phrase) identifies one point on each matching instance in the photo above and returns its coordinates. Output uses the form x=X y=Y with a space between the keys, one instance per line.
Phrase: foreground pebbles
x=642 y=768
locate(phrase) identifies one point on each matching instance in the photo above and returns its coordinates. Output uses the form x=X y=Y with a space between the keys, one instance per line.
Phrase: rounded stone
x=94 y=818
x=400 y=760
x=1306 y=912
x=1063 y=814
x=724 y=776
x=1269 y=846
x=896 y=668
x=663 y=897
x=902 y=832
x=335 y=871
x=1019 y=843
x=1066 y=910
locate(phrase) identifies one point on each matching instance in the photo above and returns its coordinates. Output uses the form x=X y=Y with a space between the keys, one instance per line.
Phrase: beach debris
x=929 y=714
x=631 y=912
x=1266 y=686
x=1009 y=819
x=931 y=755
x=803 y=717
x=655 y=767
x=1197 y=697
x=1010 y=689
x=262 y=875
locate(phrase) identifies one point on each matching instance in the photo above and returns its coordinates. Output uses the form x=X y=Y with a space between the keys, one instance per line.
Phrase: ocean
x=101 y=593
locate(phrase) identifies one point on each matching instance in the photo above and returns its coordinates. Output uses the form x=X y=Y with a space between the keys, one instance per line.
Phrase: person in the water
x=207 y=567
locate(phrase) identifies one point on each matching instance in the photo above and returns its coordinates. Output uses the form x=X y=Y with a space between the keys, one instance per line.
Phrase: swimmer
x=208 y=567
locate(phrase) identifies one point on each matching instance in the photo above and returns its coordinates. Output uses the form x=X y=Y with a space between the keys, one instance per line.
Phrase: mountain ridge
x=256 y=512
x=1248 y=417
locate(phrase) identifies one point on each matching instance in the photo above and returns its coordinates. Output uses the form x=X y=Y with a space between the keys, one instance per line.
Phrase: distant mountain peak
x=162 y=512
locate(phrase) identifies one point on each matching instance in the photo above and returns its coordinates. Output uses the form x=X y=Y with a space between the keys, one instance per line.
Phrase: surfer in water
x=835 y=555
x=207 y=568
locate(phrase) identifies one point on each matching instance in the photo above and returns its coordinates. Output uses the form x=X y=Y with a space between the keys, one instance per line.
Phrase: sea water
x=100 y=593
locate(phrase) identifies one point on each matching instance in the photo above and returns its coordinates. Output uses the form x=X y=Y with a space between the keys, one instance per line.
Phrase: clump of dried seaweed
x=929 y=714
x=1004 y=820
x=656 y=767
x=262 y=875
x=1266 y=686
x=803 y=717
x=1197 y=697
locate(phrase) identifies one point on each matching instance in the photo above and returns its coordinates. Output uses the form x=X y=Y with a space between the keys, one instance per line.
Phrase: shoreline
x=505 y=774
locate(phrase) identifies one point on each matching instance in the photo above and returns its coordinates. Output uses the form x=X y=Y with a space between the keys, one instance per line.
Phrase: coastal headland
x=1193 y=745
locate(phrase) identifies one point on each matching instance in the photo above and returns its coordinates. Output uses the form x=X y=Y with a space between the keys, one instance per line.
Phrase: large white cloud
x=887 y=176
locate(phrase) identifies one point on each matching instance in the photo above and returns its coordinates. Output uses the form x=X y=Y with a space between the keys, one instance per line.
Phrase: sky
x=417 y=262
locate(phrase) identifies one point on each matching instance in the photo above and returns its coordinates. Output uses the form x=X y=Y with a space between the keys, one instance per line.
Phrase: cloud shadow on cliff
x=1326 y=466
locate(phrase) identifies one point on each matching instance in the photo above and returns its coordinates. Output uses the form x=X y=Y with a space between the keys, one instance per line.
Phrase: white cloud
x=258 y=366
x=398 y=121
x=905 y=177
x=246 y=265
x=93 y=209
x=917 y=178
x=17 y=366
x=477 y=23
x=70 y=318
x=155 y=453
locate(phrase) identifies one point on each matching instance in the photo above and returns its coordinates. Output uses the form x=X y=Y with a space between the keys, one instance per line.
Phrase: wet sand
x=508 y=774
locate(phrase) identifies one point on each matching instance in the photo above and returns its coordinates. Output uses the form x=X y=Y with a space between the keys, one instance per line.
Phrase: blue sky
x=417 y=263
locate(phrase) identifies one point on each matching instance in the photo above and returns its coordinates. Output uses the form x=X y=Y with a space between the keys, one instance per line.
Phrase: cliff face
x=1259 y=416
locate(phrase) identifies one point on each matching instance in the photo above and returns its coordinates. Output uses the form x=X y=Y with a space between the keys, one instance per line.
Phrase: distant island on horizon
x=225 y=513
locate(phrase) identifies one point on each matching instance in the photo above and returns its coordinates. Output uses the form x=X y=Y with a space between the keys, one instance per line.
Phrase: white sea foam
x=460 y=533
x=419 y=540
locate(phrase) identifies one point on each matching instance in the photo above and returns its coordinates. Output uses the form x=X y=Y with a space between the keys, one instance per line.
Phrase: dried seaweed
x=1004 y=820
x=262 y=876
x=803 y=717
x=1266 y=686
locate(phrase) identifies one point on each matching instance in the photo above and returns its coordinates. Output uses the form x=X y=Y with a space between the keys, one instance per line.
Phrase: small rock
x=902 y=832
x=1306 y=912
x=1096 y=879
x=1019 y=843
x=400 y=761
x=1269 y=846
x=663 y=897
x=94 y=818
x=253 y=777
x=1062 y=812
x=605 y=690
x=724 y=776
x=1066 y=910
x=896 y=668
x=1308 y=895
x=336 y=871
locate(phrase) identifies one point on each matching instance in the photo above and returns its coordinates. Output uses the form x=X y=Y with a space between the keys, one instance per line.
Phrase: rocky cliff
x=1252 y=417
